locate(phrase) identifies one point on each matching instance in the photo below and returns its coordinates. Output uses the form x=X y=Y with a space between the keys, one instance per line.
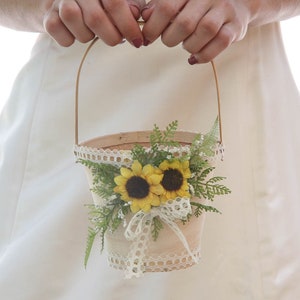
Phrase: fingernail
x=146 y=42
x=137 y=42
x=136 y=7
x=193 y=60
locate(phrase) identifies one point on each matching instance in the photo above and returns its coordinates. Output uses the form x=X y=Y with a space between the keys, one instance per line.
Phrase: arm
x=67 y=20
x=274 y=11
x=207 y=27
x=25 y=15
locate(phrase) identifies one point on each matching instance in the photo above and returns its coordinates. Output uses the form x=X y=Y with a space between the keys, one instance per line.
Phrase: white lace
x=160 y=263
x=123 y=157
x=138 y=232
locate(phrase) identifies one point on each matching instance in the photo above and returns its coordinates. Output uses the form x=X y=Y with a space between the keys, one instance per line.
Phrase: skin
x=70 y=20
x=67 y=20
x=205 y=28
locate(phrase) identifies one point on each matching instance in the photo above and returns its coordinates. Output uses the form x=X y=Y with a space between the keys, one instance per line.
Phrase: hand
x=82 y=20
x=205 y=28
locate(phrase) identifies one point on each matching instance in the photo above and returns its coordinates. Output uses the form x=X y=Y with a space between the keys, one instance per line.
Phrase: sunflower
x=174 y=181
x=140 y=186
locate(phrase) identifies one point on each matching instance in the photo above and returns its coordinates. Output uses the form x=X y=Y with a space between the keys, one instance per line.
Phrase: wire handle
x=78 y=81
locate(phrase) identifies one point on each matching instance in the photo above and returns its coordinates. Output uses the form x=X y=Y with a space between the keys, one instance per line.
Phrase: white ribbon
x=139 y=232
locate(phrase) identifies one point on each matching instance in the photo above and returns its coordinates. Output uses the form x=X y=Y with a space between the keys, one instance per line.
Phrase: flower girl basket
x=130 y=245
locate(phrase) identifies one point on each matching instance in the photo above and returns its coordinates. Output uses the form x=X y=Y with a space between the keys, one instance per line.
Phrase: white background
x=15 y=50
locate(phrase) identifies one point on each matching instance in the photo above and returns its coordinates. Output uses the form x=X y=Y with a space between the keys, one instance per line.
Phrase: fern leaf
x=199 y=208
x=157 y=226
x=205 y=173
x=90 y=241
x=215 y=179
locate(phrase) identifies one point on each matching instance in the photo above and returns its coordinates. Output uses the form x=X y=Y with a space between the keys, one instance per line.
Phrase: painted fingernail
x=146 y=42
x=137 y=42
x=193 y=60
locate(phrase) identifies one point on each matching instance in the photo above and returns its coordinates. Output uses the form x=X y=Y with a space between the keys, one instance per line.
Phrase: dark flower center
x=137 y=187
x=172 y=180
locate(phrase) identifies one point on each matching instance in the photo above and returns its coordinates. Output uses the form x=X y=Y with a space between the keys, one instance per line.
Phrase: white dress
x=251 y=251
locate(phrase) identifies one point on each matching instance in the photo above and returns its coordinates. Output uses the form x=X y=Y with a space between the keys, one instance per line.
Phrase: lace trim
x=123 y=157
x=163 y=263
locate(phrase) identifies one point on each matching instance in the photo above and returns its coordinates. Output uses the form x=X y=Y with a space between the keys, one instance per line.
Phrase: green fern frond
x=216 y=189
x=157 y=226
x=92 y=233
x=163 y=138
x=203 y=175
x=139 y=153
x=200 y=208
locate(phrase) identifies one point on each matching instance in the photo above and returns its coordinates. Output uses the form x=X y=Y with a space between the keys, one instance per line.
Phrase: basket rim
x=132 y=138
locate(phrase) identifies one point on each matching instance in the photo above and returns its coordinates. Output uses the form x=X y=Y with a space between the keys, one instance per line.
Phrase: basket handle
x=77 y=92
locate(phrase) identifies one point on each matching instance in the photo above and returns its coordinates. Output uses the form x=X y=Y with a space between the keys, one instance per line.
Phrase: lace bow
x=139 y=232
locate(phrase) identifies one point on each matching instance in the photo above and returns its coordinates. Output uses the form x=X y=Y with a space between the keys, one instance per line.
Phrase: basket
x=128 y=241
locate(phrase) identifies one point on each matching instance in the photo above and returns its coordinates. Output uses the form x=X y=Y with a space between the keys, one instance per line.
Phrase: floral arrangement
x=156 y=178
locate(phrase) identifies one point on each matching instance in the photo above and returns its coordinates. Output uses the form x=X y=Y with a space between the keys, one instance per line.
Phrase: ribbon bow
x=139 y=231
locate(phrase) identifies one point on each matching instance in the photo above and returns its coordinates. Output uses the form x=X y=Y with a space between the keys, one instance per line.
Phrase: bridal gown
x=249 y=252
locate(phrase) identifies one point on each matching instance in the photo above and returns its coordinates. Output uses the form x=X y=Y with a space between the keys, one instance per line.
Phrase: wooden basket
x=169 y=252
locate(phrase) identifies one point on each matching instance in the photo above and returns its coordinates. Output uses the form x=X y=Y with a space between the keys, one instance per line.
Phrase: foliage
x=160 y=144
x=202 y=183
x=157 y=226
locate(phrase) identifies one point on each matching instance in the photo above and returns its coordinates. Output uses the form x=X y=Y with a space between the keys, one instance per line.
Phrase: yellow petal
x=136 y=168
x=157 y=189
x=171 y=195
x=185 y=164
x=155 y=201
x=184 y=186
x=146 y=208
x=186 y=173
x=139 y=204
x=175 y=164
x=183 y=193
x=163 y=199
x=119 y=189
x=127 y=173
x=125 y=197
x=120 y=180
x=148 y=170
x=155 y=179
x=134 y=207
x=164 y=165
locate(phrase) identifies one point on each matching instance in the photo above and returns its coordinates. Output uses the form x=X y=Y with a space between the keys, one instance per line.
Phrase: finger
x=99 y=22
x=57 y=30
x=164 y=11
x=207 y=29
x=123 y=19
x=184 y=24
x=71 y=15
x=222 y=40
